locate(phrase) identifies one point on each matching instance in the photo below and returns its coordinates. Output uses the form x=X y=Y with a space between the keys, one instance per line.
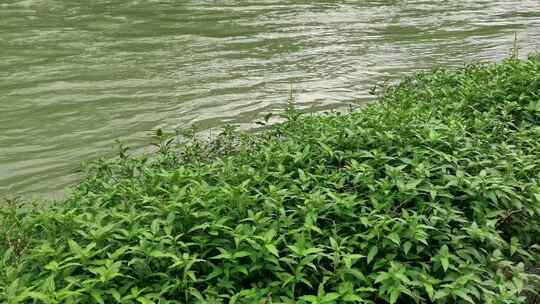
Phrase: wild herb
x=430 y=195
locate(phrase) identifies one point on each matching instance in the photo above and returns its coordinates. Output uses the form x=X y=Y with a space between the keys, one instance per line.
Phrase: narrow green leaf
x=272 y=249
x=372 y=253
x=430 y=291
x=445 y=263
x=241 y=254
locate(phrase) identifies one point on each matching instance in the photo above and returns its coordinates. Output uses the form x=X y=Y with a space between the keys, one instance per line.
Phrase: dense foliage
x=430 y=195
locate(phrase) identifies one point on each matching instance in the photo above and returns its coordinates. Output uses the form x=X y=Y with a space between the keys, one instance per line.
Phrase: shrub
x=430 y=195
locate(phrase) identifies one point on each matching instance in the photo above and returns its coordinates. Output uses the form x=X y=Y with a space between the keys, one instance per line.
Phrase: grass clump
x=430 y=195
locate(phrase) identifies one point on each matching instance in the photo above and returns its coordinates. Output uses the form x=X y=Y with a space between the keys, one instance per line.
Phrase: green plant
x=430 y=195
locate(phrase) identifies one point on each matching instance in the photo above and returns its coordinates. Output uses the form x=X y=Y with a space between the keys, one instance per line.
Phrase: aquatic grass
x=430 y=195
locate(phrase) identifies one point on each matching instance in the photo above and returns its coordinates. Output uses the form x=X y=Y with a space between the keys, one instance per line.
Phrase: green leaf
x=241 y=254
x=333 y=243
x=312 y=250
x=75 y=248
x=518 y=283
x=440 y=294
x=115 y=294
x=97 y=296
x=310 y=298
x=52 y=266
x=464 y=296
x=444 y=256
x=192 y=276
x=144 y=300
x=372 y=253
x=394 y=295
x=353 y=298
x=330 y=297
x=356 y=273
x=514 y=245
x=394 y=237
x=407 y=247
x=269 y=235
x=272 y=249
x=215 y=273
x=382 y=276
x=445 y=263
x=33 y=295
x=430 y=291
x=160 y=254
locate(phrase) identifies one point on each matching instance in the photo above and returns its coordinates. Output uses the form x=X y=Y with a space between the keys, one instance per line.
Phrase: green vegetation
x=430 y=195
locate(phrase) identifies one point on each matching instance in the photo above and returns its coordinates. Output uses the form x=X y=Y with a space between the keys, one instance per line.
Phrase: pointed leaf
x=372 y=253
x=273 y=250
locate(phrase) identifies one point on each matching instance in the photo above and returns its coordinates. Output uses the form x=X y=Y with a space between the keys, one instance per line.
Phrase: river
x=76 y=75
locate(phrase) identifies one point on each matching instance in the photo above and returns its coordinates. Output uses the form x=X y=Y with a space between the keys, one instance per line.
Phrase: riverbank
x=431 y=194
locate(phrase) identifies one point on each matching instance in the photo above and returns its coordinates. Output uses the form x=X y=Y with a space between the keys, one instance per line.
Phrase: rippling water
x=76 y=75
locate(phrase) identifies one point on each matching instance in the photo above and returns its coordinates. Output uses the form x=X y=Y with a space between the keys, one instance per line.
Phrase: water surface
x=76 y=75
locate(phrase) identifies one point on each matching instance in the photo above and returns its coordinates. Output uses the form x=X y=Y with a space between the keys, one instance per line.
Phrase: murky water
x=76 y=75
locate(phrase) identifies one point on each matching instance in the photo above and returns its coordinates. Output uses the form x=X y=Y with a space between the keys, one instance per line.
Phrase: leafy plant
x=430 y=195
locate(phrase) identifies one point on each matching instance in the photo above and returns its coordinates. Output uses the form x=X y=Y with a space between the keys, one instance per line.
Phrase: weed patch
x=430 y=195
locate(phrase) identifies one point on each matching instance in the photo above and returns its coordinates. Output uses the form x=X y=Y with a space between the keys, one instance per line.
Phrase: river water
x=76 y=75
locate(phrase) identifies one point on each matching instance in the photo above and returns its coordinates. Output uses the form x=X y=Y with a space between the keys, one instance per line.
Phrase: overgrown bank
x=431 y=195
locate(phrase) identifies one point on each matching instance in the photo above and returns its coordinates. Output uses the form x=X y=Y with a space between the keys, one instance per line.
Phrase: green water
x=76 y=75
